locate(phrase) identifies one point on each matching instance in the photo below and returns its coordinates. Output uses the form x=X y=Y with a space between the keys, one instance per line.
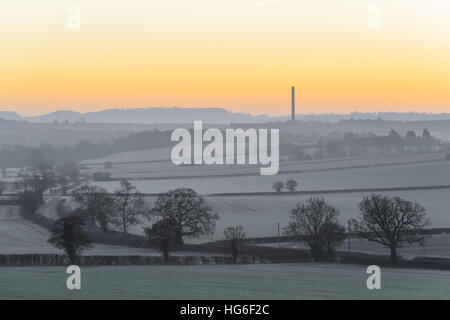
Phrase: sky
x=242 y=55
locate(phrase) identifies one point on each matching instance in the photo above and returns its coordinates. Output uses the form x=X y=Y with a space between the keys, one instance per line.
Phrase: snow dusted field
x=259 y=214
x=279 y=281
x=435 y=246
x=20 y=236
x=405 y=175
x=155 y=166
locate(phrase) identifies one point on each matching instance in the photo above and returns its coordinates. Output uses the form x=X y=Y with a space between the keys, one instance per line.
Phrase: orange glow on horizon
x=242 y=55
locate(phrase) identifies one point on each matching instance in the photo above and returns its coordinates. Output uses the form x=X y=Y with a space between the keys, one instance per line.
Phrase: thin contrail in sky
x=102 y=52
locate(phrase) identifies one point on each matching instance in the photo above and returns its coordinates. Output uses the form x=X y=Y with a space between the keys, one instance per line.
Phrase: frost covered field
x=20 y=236
x=259 y=215
x=399 y=175
x=285 y=281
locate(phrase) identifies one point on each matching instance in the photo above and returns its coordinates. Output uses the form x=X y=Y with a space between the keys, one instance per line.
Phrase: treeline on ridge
x=26 y=156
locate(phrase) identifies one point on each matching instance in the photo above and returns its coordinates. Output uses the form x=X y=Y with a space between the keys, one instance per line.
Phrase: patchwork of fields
x=414 y=170
x=259 y=215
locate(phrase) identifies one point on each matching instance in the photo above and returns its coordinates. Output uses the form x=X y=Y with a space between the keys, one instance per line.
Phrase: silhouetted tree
x=411 y=136
x=291 y=185
x=316 y=223
x=162 y=233
x=34 y=183
x=97 y=205
x=278 y=186
x=68 y=234
x=38 y=180
x=235 y=235
x=390 y=222
x=394 y=134
x=63 y=182
x=130 y=205
x=29 y=202
x=187 y=211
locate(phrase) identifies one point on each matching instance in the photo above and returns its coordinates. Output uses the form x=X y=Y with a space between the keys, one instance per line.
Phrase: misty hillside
x=149 y=116
x=10 y=115
x=177 y=115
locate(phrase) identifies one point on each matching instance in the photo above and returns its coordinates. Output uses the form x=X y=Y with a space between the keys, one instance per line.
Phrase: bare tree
x=130 y=205
x=38 y=180
x=291 y=185
x=390 y=222
x=235 y=235
x=97 y=205
x=68 y=234
x=34 y=183
x=187 y=211
x=316 y=223
x=278 y=186
x=64 y=183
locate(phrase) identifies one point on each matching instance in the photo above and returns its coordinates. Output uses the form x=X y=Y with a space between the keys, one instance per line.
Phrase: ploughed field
x=278 y=281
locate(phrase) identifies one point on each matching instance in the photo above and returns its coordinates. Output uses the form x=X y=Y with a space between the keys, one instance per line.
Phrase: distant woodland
x=319 y=143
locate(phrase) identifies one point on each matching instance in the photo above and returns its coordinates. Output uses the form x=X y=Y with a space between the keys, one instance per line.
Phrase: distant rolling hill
x=150 y=116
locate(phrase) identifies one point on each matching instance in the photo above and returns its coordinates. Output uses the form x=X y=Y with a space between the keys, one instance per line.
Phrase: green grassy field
x=284 y=281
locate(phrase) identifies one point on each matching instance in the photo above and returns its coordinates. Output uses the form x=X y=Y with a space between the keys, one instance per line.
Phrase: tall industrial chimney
x=293 y=104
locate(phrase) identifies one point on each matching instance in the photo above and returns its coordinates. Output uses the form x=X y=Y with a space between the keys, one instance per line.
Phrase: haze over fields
x=161 y=115
x=146 y=163
x=343 y=162
x=239 y=201
x=332 y=119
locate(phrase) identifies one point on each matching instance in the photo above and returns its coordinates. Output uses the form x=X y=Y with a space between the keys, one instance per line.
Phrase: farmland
x=259 y=214
x=156 y=164
x=20 y=236
x=281 y=281
x=350 y=174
